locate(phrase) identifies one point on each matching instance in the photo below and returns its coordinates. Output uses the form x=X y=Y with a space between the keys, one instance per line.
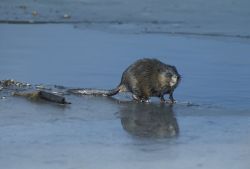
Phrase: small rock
x=34 y=13
x=66 y=16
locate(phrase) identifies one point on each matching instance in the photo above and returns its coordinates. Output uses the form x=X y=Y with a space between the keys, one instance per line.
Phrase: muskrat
x=144 y=78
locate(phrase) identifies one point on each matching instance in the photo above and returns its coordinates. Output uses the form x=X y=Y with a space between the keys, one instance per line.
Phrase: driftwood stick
x=52 y=97
x=44 y=95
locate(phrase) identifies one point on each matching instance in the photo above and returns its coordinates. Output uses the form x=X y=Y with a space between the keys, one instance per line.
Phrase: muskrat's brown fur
x=144 y=78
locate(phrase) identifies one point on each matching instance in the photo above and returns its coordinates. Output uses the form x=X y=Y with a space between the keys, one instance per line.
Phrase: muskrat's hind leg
x=136 y=98
x=140 y=99
x=162 y=99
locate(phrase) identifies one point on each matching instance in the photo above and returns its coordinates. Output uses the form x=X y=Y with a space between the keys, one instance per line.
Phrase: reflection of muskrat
x=144 y=78
x=149 y=120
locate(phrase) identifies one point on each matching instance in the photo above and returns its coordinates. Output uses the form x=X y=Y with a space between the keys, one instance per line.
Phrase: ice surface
x=211 y=131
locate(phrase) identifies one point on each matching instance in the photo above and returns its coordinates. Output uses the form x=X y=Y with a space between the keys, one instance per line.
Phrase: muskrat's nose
x=174 y=80
x=178 y=77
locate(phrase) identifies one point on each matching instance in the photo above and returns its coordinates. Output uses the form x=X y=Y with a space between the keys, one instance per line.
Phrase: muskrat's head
x=171 y=76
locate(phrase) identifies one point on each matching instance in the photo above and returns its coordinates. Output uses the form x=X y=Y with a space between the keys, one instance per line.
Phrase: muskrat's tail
x=95 y=92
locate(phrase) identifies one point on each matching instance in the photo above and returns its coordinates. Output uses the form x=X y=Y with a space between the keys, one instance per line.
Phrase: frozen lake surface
x=216 y=18
x=209 y=127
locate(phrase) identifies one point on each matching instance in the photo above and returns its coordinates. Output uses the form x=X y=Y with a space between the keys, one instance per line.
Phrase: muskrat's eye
x=168 y=75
